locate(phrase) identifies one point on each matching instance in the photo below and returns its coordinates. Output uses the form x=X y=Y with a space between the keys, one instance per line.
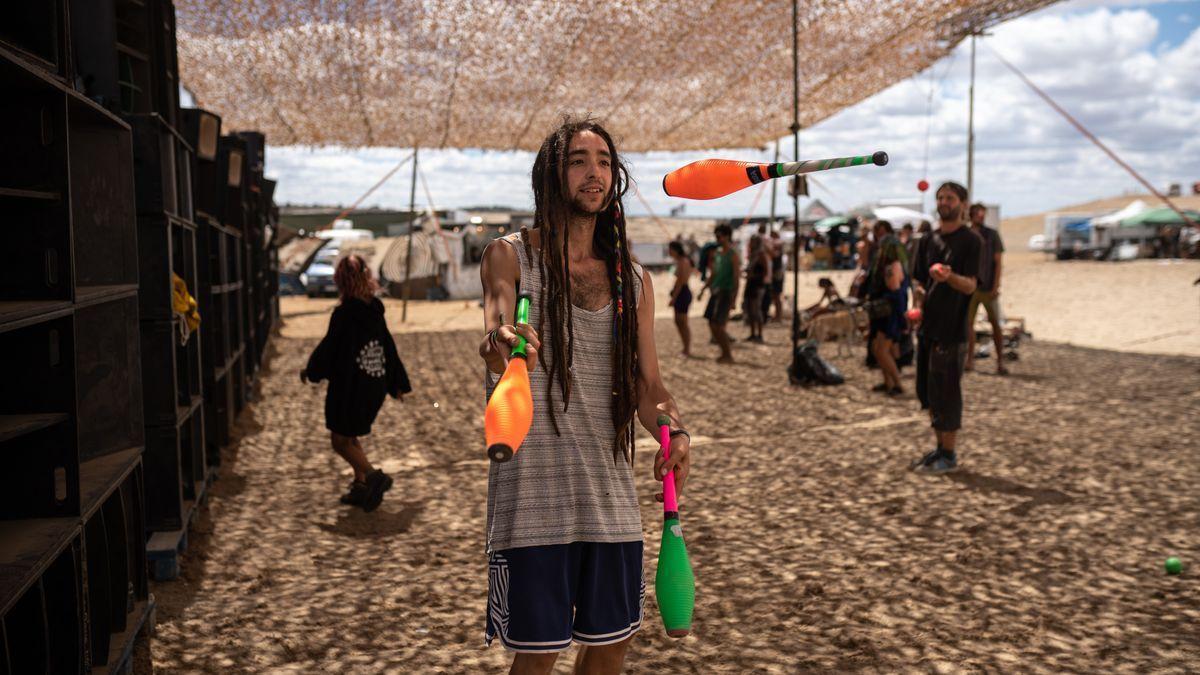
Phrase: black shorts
x=939 y=382
x=543 y=598
x=683 y=300
x=719 y=304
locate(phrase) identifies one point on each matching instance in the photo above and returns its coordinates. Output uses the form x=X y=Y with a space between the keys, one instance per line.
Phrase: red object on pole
x=922 y=185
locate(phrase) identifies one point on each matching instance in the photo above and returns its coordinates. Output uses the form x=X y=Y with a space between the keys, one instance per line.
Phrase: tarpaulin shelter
x=1161 y=216
x=1079 y=225
x=1114 y=219
x=664 y=74
x=1105 y=231
x=437 y=261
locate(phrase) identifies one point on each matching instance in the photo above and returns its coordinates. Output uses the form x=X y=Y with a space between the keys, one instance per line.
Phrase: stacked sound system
x=117 y=206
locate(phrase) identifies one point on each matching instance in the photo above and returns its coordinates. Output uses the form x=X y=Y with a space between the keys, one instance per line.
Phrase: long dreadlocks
x=552 y=211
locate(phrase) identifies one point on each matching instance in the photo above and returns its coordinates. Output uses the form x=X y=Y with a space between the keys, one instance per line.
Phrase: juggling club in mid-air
x=713 y=178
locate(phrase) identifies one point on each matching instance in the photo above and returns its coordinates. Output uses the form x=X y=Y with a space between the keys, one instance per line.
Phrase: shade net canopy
x=662 y=74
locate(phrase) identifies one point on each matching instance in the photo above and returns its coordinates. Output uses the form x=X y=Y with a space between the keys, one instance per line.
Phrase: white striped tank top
x=563 y=489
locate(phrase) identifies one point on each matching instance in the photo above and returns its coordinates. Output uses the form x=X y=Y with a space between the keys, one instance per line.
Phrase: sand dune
x=1023 y=227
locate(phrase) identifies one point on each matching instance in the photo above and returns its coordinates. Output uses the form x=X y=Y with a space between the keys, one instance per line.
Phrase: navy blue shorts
x=683 y=300
x=541 y=598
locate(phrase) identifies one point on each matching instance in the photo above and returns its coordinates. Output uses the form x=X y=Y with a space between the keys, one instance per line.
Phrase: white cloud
x=1100 y=64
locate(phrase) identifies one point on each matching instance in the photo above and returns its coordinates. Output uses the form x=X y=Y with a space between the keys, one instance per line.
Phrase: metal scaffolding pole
x=971 y=127
x=774 y=188
x=412 y=209
x=796 y=193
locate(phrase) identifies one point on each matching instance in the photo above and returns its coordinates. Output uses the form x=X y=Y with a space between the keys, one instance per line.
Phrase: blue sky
x=1130 y=71
x=1176 y=21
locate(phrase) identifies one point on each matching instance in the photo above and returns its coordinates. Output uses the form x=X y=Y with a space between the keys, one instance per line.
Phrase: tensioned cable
x=366 y=194
x=1091 y=137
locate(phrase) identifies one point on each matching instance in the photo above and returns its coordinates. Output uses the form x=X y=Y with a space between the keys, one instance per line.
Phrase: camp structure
x=443 y=265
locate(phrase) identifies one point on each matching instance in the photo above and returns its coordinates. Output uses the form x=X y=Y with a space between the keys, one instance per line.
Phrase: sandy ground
x=814 y=549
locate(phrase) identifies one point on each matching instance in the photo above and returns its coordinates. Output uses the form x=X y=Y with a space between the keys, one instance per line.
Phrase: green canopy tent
x=1161 y=216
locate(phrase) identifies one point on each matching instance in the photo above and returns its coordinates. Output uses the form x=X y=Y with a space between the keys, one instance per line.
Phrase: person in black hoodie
x=359 y=359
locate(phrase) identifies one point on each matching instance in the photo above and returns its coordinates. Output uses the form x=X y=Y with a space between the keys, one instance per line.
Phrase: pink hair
x=354 y=278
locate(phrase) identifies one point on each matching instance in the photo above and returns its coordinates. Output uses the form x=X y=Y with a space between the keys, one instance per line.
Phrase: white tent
x=1107 y=230
x=899 y=216
x=1114 y=219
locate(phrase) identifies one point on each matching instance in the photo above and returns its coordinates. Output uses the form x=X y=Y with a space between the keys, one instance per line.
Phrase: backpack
x=809 y=368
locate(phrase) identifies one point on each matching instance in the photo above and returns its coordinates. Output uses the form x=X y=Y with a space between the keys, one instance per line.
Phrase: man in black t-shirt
x=945 y=272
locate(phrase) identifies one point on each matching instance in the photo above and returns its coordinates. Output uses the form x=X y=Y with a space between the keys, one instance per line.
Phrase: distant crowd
x=917 y=291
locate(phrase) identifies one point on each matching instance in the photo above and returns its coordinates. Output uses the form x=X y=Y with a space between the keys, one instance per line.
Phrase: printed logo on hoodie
x=371 y=360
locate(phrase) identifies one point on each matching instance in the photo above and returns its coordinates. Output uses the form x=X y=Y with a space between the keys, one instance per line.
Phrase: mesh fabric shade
x=664 y=74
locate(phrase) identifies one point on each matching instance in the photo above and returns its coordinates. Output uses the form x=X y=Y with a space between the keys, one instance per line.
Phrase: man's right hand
x=497 y=352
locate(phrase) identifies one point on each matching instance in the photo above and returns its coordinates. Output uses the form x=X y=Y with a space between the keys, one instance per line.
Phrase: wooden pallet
x=164 y=548
x=120 y=656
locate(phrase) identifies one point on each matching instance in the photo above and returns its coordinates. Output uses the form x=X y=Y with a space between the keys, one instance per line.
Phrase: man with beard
x=564 y=529
x=945 y=271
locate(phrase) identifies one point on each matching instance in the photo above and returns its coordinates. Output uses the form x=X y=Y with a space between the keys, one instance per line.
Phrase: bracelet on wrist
x=681 y=432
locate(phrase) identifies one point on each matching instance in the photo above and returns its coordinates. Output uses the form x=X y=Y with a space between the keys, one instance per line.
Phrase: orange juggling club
x=510 y=409
x=713 y=178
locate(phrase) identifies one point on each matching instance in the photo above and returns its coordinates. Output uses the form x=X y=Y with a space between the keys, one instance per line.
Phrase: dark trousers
x=923 y=372
x=939 y=382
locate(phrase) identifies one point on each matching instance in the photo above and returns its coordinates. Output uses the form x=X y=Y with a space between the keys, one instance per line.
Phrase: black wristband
x=681 y=432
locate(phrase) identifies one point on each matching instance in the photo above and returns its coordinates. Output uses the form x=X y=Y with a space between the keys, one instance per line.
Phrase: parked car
x=318 y=278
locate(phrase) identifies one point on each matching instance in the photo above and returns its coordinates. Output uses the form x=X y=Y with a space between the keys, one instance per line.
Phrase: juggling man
x=564 y=531
x=946 y=269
